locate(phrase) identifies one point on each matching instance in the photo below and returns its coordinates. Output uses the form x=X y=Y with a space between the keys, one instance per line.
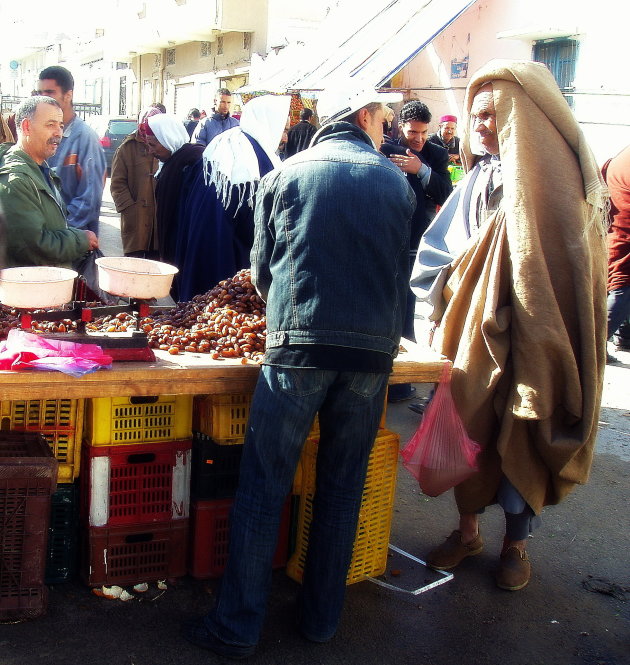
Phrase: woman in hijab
x=216 y=217
x=133 y=191
x=168 y=141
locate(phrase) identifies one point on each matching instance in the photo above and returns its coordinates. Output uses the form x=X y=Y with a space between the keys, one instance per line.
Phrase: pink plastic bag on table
x=440 y=454
x=23 y=350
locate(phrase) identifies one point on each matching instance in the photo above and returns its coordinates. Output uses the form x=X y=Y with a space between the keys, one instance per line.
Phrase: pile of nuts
x=226 y=322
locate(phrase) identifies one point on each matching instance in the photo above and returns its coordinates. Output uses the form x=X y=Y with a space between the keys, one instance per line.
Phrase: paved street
x=574 y=612
x=109 y=229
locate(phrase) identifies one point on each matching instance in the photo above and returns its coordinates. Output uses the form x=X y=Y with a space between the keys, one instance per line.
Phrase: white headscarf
x=229 y=159
x=169 y=131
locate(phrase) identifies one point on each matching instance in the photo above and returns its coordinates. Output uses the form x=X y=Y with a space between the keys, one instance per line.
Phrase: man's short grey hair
x=28 y=107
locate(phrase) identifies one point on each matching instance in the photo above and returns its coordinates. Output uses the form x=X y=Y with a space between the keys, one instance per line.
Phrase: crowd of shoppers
x=490 y=263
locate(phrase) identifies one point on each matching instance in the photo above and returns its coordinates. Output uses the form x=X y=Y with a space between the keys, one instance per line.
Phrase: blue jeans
x=283 y=408
x=618 y=308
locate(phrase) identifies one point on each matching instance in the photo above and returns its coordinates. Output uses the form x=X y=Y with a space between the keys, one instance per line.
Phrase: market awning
x=363 y=41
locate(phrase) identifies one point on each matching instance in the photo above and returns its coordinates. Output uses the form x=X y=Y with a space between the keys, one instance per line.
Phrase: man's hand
x=92 y=239
x=408 y=163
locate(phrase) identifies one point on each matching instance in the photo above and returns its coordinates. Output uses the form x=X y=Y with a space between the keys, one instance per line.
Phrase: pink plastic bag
x=440 y=454
x=23 y=350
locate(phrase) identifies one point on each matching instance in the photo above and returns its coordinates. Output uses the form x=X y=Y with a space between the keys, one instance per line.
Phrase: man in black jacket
x=300 y=135
x=426 y=166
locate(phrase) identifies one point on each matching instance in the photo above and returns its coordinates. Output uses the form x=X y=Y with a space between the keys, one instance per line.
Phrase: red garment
x=618 y=180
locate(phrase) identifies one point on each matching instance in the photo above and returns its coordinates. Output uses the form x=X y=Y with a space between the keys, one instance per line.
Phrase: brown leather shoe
x=452 y=551
x=514 y=570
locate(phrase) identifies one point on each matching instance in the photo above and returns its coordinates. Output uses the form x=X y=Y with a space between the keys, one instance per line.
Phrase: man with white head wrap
x=215 y=228
x=168 y=141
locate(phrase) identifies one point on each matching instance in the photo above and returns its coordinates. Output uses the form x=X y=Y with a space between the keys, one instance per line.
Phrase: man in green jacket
x=37 y=232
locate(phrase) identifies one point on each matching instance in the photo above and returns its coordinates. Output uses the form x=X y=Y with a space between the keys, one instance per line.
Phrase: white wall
x=602 y=100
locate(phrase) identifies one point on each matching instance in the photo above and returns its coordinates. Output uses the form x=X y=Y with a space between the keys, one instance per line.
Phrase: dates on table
x=226 y=322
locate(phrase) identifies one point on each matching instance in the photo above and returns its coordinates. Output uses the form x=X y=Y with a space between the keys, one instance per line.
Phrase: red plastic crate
x=209 y=538
x=127 y=555
x=135 y=484
x=28 y=477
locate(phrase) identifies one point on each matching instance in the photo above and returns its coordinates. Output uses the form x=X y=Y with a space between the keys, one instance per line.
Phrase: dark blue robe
x=213 y=243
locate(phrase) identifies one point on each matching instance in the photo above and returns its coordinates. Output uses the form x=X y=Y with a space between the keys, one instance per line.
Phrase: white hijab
x=169 y=131
x=229 y=159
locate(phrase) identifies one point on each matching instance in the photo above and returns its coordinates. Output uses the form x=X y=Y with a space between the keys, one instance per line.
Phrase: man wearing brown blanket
x=515 y=267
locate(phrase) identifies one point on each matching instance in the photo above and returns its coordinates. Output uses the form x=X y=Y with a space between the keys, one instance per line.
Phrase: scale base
x=122 y=348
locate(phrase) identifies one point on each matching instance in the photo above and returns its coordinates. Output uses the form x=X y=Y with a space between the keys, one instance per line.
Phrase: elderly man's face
x=156 y=148
x=42 y=134
x=447 y=130
x=484 y=119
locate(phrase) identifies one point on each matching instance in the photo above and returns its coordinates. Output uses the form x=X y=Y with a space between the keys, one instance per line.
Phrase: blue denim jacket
x=331 y=245
x=80 y=164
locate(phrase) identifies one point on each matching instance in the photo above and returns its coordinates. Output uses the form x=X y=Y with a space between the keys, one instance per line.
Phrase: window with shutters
x=560 y=56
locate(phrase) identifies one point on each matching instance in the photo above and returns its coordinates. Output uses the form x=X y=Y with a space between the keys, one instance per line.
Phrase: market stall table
x=185 y=374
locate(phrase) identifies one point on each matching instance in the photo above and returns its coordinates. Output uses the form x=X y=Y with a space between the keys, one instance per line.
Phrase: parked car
x=111 y=131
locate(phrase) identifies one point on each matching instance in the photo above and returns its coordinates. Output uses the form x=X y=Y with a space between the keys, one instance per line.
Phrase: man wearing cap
x=330 y=258
x=445 y=137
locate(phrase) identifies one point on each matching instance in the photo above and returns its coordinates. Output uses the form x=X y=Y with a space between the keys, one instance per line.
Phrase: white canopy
x=359 y=40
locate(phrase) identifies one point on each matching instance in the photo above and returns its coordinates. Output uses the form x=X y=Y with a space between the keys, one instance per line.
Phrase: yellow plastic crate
x=369 y=558
x=59 y=420
x=224 y=417
x=125 y=420
x=315 y=429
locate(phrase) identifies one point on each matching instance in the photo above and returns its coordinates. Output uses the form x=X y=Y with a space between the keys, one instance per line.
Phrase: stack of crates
x=135 y=489
x=60 y=422
x=220 y=422
x=28 y=478
x=369 y=558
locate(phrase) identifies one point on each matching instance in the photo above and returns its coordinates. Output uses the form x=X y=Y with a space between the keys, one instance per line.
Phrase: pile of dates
x=226 y=322
x=8 y=320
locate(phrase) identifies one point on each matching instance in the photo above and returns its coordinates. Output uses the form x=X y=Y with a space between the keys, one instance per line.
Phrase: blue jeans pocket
x=367 y=384
x=300 y=382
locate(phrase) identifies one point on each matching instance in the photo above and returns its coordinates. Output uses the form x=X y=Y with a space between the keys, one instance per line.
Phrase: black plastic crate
x=63 y=535
x=215 y=468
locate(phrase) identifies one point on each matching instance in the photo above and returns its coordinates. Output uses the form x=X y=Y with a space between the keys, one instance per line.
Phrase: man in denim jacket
x=330 y=257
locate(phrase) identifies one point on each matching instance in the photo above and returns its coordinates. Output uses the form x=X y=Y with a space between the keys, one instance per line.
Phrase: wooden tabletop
x=185 y=374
